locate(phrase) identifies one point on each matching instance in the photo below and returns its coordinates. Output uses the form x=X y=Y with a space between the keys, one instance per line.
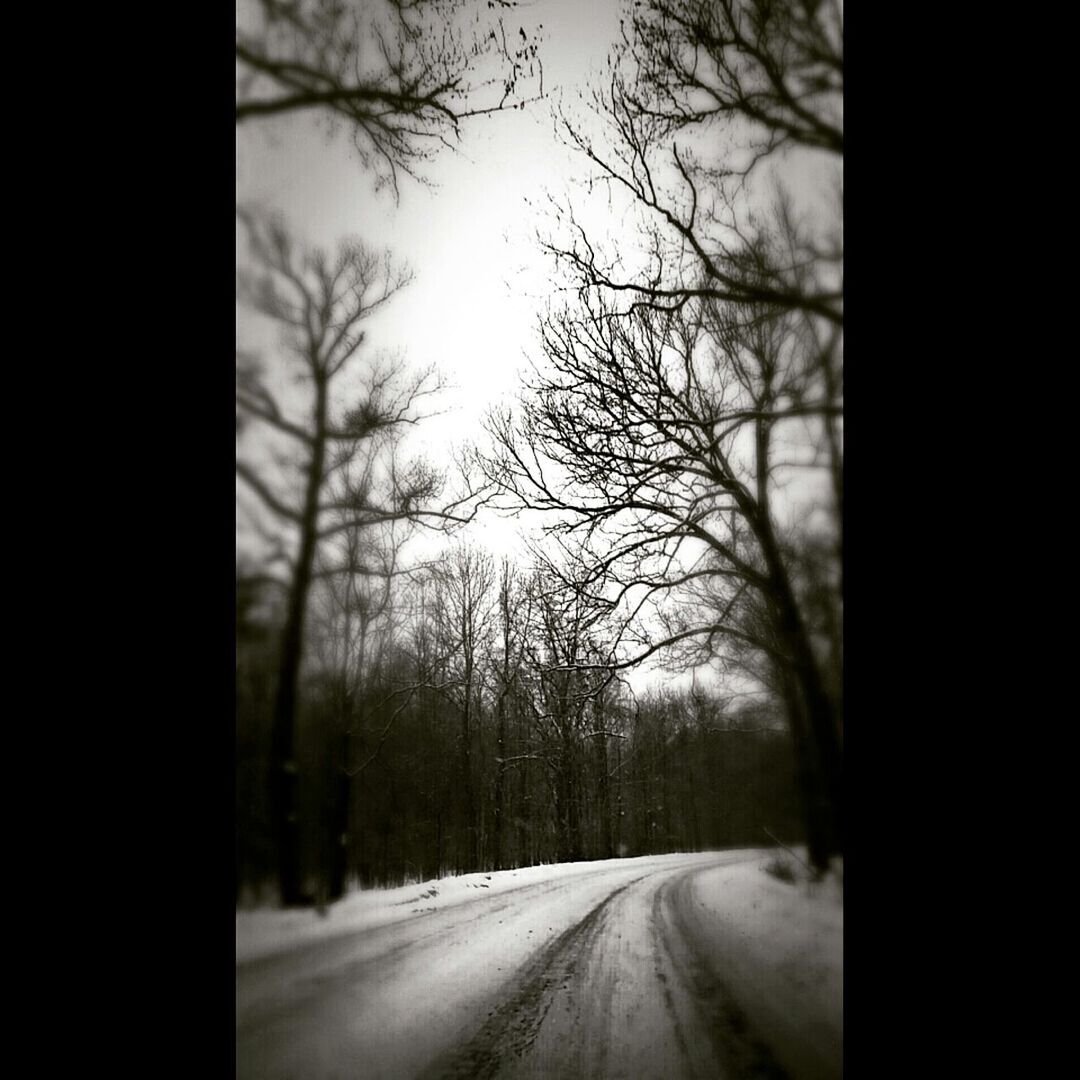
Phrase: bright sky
x=470 y=239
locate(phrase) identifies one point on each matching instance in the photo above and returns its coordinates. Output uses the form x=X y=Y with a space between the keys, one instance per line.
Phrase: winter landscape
x=539 y=546
x=672 y=965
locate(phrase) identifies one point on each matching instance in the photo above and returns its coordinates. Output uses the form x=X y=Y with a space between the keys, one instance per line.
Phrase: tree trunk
x=500 y=795
x=469 y=825
x=284 y=782
x=691 y=790
x=808 y=706
x=619 y=805
x=606 y=845
x=339 y=826
x=821 y=750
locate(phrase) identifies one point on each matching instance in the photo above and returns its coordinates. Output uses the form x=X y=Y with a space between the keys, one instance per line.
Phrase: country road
x=629 y=970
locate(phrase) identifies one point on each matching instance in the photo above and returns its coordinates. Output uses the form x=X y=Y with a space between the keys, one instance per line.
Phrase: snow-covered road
x=625 y=968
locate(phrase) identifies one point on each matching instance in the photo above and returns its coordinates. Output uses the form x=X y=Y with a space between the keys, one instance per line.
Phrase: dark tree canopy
x=777 y=66
x=708 y=110
x=399 y=75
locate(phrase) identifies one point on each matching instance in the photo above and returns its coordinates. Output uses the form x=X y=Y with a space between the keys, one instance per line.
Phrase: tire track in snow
x=512 y=1027
x=274 y=986
x=567 y=1016
x=624 y=988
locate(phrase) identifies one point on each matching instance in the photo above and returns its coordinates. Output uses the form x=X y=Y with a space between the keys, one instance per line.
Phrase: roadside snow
x=780 y=948
x=653 y=966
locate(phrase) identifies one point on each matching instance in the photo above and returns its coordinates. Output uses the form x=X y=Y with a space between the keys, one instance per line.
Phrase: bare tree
x=400 y=75
x=652 y=437
x=359 y=578
x=686 y=425
x=710 y=111
x=565 y=677
x=514 y=618
x=319 y=304
x=466 y=585
x=775 y=65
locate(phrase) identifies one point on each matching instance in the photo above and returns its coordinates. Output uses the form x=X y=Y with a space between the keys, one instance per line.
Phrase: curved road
x=605 y=974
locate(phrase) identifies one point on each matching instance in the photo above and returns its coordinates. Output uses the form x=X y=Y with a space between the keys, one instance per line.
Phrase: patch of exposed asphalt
x=512 y=1027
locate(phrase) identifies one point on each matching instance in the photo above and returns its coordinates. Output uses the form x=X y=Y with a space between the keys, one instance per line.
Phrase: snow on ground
x=780 y=946
x=262 y=933
x=690 y=965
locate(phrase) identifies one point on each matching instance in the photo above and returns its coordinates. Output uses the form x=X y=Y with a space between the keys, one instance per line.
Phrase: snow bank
x=780 y=947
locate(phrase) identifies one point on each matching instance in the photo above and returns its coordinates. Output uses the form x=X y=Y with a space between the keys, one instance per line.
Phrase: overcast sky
x=469 y=238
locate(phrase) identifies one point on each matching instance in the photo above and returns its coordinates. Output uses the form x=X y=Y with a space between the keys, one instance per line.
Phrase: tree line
x=457 y=735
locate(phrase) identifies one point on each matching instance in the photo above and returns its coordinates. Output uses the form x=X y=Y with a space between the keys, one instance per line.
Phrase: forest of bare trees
x=455 y=742
x=406 y=711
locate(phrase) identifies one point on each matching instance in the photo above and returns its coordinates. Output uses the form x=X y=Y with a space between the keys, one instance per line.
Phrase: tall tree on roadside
x=514 y=616
x=466 y=586
x=566 y=676
x=686 y=425
x=319 y=303
x=715 y=112
x=653 y=438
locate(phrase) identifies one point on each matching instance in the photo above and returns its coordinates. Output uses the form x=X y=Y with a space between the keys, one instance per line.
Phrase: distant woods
x=680 y=442
x=452 y=736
